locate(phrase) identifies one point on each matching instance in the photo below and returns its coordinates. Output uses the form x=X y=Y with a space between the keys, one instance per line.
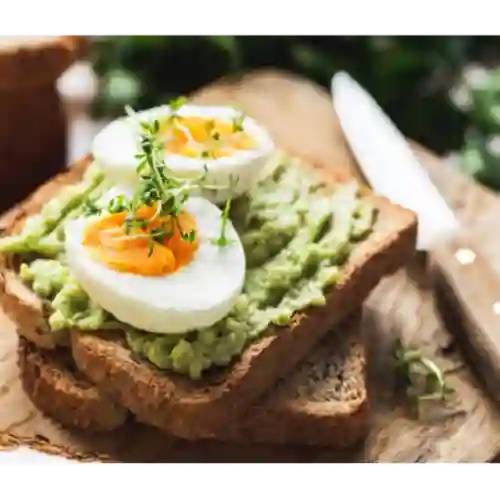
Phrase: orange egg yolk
x=201 y=137
x=109 y=242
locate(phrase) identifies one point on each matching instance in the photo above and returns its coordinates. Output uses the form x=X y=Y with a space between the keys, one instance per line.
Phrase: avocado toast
x=28 y=312
x=314 y=250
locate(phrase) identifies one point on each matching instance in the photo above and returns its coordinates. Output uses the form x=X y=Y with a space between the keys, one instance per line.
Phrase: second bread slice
x=324 y=402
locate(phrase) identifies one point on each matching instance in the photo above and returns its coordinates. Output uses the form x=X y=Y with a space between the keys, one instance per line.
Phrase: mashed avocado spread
x=296 y=238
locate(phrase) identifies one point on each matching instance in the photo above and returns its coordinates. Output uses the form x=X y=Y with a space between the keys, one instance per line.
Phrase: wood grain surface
x=471 y=288
x=300 y=117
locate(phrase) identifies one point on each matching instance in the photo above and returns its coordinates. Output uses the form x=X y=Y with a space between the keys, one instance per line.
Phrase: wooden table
x=300 y=117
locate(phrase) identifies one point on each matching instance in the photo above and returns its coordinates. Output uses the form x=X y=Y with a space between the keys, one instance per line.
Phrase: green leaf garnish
x=222 y=239
x=238 y=123
x=423 y=379
x=177 y=103
x=118 y=204
x=158 y=186
x=90 y=208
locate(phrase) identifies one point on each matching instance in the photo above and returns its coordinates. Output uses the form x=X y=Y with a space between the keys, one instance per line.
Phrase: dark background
x=411 y=77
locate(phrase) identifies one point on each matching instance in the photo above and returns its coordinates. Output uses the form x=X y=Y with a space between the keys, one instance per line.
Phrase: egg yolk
x=133 y=252
x=201 y=137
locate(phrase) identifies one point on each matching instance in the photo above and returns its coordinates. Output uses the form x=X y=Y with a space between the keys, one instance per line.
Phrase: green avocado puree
x=296 y=237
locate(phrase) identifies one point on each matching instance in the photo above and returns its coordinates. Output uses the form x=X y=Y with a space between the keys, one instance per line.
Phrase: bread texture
x=323 y=403
x=50 y=381
x=191 y=409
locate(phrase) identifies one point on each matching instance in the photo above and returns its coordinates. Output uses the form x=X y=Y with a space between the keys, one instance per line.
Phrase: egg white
x=196 y=296
x=115 y=147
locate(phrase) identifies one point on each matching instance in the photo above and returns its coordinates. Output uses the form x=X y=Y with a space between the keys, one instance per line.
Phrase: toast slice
x=56 y=388
x=323 y=403
x=189 y=408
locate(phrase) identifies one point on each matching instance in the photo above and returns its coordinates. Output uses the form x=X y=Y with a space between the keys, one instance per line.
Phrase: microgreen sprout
x=90 y=208
x=177 y=103
x=238 y=123
x=222 y=239
x=158 y=187
x=423 y=379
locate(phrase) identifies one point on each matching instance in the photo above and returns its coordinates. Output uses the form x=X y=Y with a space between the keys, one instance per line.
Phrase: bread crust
x=189 y=408
x=26 y=310
x=63 y=395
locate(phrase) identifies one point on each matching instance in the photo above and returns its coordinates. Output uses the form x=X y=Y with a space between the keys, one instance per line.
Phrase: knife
x=465 y=278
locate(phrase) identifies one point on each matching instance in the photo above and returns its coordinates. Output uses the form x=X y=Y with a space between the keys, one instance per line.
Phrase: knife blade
x=464 y=277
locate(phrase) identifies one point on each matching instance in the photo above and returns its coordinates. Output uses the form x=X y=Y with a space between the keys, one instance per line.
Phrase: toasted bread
x=192 y=408
x=324 y=402
x=53 y=385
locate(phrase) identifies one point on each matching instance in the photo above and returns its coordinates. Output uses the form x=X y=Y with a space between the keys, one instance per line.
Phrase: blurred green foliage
x=477 y=95
x=410 y=77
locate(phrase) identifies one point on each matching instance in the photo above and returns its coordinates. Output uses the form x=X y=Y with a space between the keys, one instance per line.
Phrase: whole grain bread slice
x=58 y=390
x=193 y=408
x=323 y=403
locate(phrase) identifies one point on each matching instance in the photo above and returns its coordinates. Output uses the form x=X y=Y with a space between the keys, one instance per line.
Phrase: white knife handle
x=387 y=162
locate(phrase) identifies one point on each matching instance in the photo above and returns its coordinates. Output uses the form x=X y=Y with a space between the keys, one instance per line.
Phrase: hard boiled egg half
x=230 y=147
x=171 y=285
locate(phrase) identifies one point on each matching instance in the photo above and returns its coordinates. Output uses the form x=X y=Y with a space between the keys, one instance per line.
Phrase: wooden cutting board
x=300 y=117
